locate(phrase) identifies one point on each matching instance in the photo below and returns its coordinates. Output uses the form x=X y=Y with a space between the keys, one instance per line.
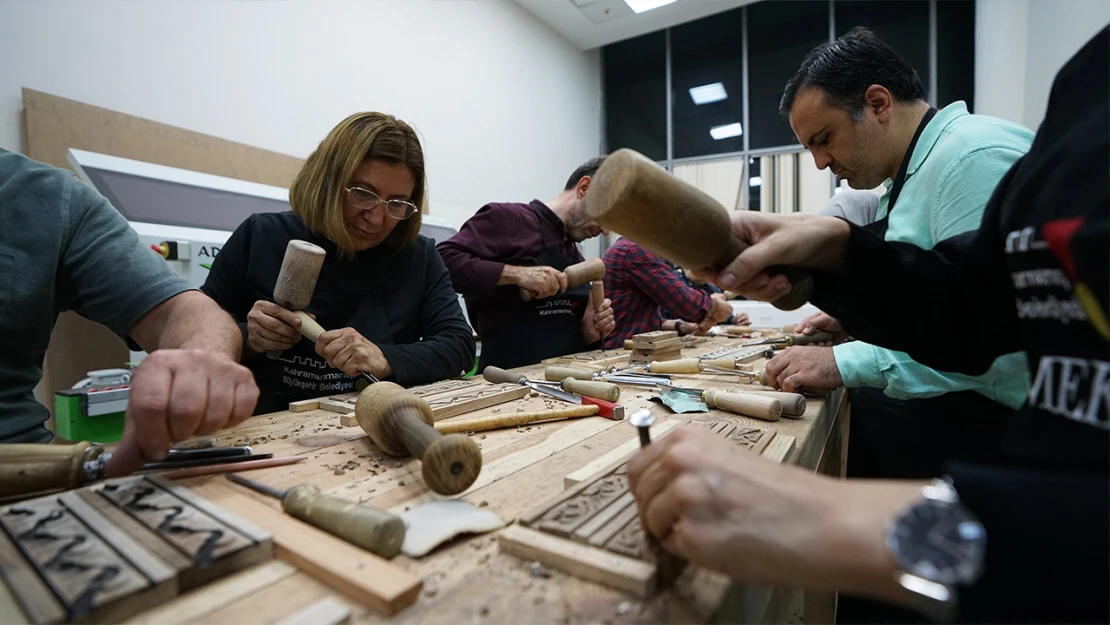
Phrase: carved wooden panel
x=441 y=387
x=740 y=354
x=85 y=572
x=198 y=536
x=597 y=357
x=468 y=400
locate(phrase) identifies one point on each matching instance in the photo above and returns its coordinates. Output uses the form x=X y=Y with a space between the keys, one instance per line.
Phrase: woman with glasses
x=383 y=295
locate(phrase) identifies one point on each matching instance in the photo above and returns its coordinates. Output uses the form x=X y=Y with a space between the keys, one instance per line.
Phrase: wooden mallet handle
x=632 y=195
x=577 y=275
x=400 y=424
x=598 y=293
x=747 y=404
x=300 y=269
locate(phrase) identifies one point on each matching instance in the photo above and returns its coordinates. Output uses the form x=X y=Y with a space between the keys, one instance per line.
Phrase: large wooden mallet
x=632 y=195
x=400 y=424
x=577 y=275
x=300 y=269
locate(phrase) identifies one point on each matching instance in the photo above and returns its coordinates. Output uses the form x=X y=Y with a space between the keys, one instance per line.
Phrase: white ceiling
x=593 y=23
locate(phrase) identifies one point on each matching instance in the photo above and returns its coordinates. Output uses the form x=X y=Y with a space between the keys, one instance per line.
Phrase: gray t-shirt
x=62 y=247
x=858 y=207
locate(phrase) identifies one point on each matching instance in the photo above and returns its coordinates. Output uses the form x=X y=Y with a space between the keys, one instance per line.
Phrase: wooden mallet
x=401 y=424
x=577 y=275
x=300 y=269
x=632 y=195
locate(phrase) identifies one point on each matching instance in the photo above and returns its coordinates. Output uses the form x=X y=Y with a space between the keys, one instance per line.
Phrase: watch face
x=939 y=541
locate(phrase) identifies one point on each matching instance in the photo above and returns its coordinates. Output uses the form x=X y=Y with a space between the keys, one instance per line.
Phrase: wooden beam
x=304 y=405
x=584 y=561
x=216 y=595
x=368 y=579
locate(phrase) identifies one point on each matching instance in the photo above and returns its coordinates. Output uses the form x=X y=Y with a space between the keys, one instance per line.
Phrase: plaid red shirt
x=641 y=284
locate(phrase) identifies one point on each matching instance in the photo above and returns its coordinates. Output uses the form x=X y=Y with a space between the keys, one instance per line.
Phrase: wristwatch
x=938 y=544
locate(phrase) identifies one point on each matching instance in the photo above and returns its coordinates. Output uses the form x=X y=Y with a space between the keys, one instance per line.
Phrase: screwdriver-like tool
x=376 y=531
x=796 y=339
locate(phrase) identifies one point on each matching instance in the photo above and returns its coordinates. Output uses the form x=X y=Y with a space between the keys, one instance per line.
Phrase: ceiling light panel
x=727 y=131
x=714 y=92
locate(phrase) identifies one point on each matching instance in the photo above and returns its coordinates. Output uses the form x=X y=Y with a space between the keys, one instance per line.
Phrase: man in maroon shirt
x=641 y=283
x=507 y=247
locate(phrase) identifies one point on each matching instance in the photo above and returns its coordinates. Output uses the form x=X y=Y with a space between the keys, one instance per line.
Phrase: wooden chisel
x=609 y=410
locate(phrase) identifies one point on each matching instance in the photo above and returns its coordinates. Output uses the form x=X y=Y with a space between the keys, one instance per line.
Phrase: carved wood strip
x=629 y=541
x=610 y=529
x=442 y=387
x=476 y=399
x=753 y=439
x=335 y=405
x=35 y=600
x=599 y=520
x=200 y=537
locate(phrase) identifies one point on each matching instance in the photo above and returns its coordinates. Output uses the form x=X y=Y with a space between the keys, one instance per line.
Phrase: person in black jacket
x=384 y=295
x=1020 y=540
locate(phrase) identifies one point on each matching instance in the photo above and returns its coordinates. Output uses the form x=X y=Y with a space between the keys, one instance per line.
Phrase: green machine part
x=74 y=421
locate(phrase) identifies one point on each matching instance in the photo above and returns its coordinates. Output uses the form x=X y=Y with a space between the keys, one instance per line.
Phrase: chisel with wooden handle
x=500 y=421
x=609 y=410
x=793 y=404
x=376 y=531
x=688 y=365
x=766 y=380
x=312 y=331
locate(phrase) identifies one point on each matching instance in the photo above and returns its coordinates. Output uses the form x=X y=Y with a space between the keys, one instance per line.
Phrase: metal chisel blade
x=558 y=393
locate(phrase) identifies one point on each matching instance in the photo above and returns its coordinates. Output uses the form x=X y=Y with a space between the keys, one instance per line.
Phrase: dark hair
x=589 y=168
x=845 y=68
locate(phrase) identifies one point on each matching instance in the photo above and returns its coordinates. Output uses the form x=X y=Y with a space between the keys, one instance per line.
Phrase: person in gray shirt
x=64 y=247
x=858 y=207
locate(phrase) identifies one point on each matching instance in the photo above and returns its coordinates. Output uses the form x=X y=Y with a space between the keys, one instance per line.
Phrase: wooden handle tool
x=376 y=531
x=607 y=409
x=577 y=275
x=558 y=374
x=597 y=390
x=766 y=380
x=497 y=375
x=30 y=468
x=632 y=195
x=300 y=269
x=500 y=421
x=400 y=424
x=720 y=363
x=683 y=365
x=747 y=404
x=809 y=339
x=793 y=404
x=309 y=328
x=598 y=287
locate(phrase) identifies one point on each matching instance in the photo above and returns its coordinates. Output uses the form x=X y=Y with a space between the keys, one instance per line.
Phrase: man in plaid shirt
x=640 y=284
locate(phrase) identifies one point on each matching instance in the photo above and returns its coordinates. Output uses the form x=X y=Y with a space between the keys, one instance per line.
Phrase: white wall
x=1019 y=47
x=505 y=106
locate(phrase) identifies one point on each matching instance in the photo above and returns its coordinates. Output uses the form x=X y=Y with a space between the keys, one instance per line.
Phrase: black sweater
x=1033 y=278
x=401 y=301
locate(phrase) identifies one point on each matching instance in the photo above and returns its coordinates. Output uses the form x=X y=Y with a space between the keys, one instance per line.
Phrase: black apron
x=542 y=328
x=879 y=226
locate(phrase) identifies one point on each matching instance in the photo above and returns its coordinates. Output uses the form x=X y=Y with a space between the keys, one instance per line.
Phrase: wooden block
x=599 y=520
x=666 y=344
x=335 y=405
x=251 y=531
x=745 y=367
x=780 y=448
x=22 y=582
x=216 y=595
x=540 y=511
x=600 y=358
x=327 y=611
x=654 y=337
x=475 y=399
x=589 y=563
x=304 y=405
x=212 y=547
x=96 y=572
x=618 y=453
x=368 y=579
x=10 y=612
x=751 y=439
x=348 y=420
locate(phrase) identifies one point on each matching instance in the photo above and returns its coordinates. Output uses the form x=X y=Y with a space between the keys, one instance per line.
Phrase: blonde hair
x=317 y=195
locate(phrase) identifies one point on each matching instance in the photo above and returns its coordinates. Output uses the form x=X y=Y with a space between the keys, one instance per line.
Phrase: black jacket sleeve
x=446 y=349
x=894 y=294
x=227 y=279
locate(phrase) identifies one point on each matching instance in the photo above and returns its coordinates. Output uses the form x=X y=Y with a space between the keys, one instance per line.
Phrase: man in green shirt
x=859 y=108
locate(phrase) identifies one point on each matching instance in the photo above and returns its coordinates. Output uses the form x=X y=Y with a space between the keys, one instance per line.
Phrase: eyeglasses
x=368 y=200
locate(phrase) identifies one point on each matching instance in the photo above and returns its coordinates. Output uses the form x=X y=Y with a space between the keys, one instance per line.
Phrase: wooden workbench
x=469 y=580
